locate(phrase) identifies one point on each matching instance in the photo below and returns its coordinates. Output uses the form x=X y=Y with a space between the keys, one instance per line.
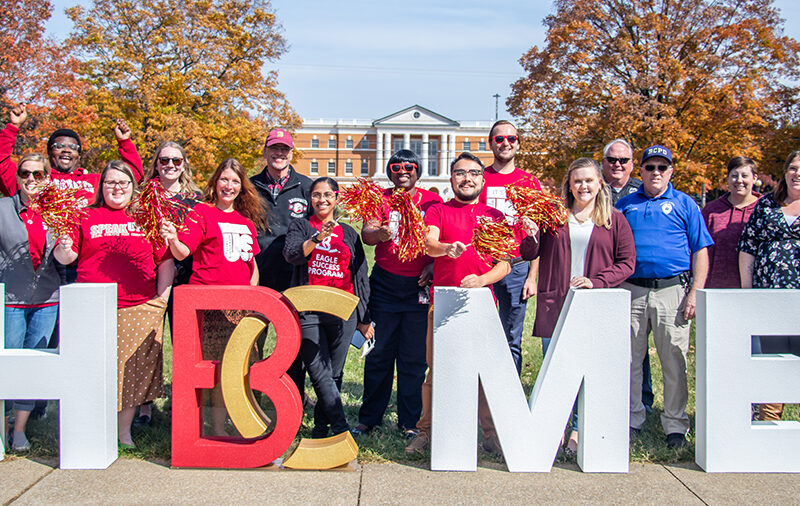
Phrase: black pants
x=326 y=340
x=400 y=339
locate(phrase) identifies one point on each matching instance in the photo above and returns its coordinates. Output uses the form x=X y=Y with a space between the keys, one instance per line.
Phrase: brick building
x=349 y=148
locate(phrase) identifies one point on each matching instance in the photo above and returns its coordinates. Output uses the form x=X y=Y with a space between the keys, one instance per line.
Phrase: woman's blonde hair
x=601 y=215
x=35 y=157
x=186 y=181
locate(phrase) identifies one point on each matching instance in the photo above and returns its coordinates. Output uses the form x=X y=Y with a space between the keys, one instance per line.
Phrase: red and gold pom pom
x=493 y=238
x=545 y=210
x=61 y=209
x=411 y=228
x=363 y=200
x=152 y=207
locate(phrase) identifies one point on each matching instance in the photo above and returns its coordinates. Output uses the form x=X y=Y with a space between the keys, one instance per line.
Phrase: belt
x=515 y=261
x=656 y=282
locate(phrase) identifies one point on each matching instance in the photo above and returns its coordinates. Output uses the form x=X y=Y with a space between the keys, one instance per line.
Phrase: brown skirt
x=140 y=360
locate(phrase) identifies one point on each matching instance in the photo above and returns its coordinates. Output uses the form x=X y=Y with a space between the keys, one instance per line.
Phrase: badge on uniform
x=666 y=207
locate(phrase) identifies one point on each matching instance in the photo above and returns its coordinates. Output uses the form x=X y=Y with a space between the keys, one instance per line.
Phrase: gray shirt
x=631 y=186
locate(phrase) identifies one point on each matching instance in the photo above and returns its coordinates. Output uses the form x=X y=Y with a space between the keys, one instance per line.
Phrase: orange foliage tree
x=709 y=79
x=36 y=70
x=189 y=71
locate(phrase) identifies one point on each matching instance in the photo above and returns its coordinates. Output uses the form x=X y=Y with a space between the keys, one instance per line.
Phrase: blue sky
x=367 y=59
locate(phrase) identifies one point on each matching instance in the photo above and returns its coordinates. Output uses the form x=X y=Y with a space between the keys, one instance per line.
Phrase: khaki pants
x=659 y=311
x=424 y=423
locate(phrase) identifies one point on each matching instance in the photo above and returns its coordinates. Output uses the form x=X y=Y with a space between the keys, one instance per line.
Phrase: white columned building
x=364 y=146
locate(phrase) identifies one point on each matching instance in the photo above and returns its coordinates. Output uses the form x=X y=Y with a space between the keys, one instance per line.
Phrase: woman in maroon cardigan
x=594 y=249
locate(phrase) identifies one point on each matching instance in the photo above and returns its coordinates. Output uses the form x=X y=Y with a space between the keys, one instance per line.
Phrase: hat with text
x=279 y=136
x=654 y=151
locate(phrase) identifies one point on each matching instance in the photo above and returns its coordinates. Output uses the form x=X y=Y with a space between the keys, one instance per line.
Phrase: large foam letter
x=589 y=356
x=191 y=374
x=82 y=375
x=730 y=378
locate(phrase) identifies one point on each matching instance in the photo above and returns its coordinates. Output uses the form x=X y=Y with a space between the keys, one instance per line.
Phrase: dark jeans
x=400 y=339
x=326 y=340
x=511 y=307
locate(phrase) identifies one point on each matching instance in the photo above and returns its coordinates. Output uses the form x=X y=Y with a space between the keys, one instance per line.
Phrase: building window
x=481 y=145
x=364 y=143
x=416 y=147
x=348 y=168
x=331 y=168
x=397 y=145
x=314 y=143
x=465 y=146
x=314 y=170
x=332 y=143
x=433 y=157
x=364 y=168
x=348 y=144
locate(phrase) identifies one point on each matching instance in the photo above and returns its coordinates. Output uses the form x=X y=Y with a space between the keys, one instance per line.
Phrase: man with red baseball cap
x=286 y=193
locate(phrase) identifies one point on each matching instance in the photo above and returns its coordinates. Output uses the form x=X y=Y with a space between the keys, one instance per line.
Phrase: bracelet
x=315 y=238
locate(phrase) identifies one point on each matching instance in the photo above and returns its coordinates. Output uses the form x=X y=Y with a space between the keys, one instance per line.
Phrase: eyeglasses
x=498 y=139
x=461 y=173
x=613 y=161
x=38 y=175
x=164 y=160
x=326 y=195
x=61 y=145
x=113 y=184
x=406 y=167
x=660 y=168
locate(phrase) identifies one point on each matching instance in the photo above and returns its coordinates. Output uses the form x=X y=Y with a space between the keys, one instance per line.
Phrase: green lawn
x=385 y=443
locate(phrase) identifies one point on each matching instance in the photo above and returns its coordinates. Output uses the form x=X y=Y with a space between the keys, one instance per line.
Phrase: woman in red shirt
x=112 y=249
x=325 y=252
x=221 y=236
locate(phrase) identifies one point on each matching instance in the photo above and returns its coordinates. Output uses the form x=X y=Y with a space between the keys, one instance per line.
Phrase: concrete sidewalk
x=134 y=481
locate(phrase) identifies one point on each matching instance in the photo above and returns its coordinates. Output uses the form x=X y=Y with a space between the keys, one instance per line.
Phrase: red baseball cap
x=279 y=136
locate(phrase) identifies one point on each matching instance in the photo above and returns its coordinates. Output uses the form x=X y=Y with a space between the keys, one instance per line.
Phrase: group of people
x=280 y=229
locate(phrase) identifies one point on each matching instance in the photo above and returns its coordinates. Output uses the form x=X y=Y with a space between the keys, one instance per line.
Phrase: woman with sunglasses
x=325 y=252
x=221 y=235
x=769 y=249
x=112 y=249
x=171 y=167
x=398 y=304
x=594 y=249
x=28 y=271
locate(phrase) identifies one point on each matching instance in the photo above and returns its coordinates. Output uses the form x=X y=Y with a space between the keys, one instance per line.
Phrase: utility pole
x=496 y=102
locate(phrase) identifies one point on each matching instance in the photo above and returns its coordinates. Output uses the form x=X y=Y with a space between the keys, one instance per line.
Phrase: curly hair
x=248 y=203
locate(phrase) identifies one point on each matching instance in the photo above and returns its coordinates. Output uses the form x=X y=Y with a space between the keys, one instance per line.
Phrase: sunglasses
x=164 y=160
x=38 y=175
x=660 y=168
x=498 y=139
x=613 y=161
x=406 y=167
x=61 y=145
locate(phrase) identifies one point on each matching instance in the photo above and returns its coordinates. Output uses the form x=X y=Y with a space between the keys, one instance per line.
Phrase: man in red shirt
x=398 y=304
x=447 y=240
x=512 y=291
x=64 y=150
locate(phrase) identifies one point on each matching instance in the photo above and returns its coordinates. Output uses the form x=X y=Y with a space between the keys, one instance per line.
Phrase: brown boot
x=419 y=444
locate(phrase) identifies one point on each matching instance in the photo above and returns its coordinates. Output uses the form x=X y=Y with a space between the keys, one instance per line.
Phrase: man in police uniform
x=617 y=167
x=671 y=238
x=286 y=195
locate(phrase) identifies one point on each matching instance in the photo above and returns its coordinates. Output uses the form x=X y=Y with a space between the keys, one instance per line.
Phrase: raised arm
x=127 y=149
x=8 y=137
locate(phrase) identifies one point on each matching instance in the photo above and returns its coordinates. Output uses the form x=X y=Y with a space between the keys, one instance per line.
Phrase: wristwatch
x=315 y=238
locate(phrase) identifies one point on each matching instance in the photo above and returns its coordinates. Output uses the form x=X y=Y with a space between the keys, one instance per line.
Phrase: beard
x=468 y=193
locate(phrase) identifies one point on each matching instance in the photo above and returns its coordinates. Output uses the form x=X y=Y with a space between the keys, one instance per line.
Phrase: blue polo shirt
x=667 y=230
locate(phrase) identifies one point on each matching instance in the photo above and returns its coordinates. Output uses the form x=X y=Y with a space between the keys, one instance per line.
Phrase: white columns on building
x=452 y=153
x=425 y=153
x=379 y=155
x=387 y=150
x=406 y=141
x=443 y=155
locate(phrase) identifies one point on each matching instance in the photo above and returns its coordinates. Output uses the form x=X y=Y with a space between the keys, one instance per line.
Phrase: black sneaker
x=634 y=433
x=676 y=440
x=360 y=430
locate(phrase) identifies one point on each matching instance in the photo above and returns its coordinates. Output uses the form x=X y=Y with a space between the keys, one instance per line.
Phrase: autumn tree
x=189 y=71
x=708 y=78
x=36 y=70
